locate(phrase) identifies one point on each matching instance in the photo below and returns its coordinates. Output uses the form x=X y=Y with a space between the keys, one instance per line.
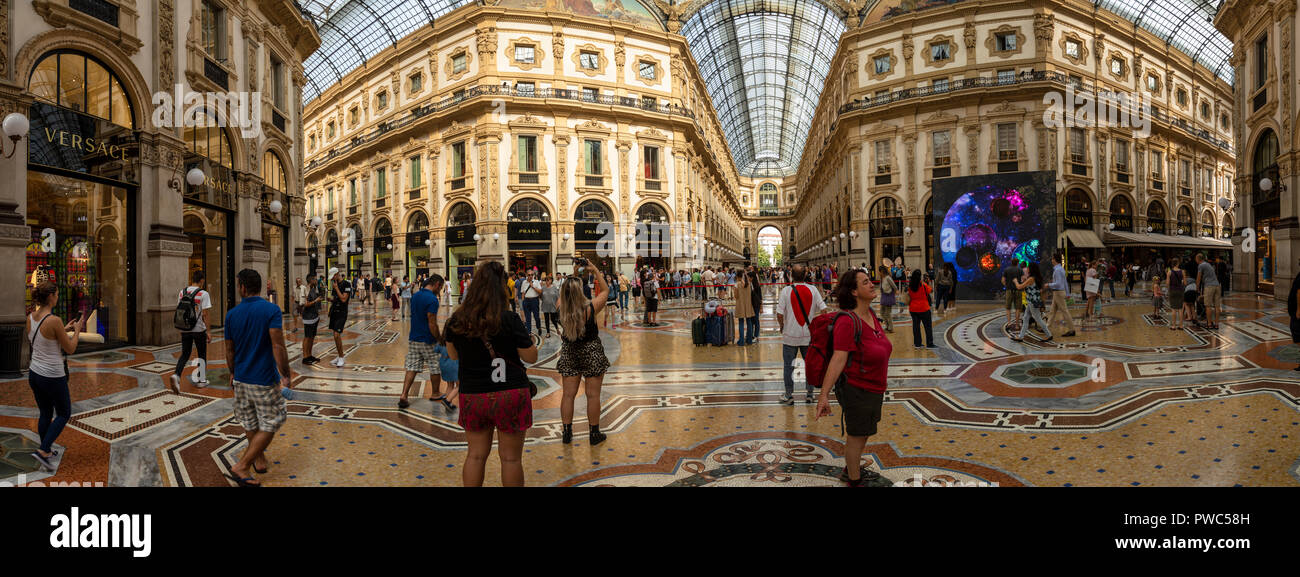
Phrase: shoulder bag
x=532 y=387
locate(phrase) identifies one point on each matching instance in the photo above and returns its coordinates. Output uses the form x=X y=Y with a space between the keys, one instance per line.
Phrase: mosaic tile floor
x=1126 y=402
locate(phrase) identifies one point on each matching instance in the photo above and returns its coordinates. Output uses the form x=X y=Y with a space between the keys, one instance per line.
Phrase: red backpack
x=822 y=346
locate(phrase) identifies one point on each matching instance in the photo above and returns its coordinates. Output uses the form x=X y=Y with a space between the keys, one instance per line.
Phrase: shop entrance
x=209 y=230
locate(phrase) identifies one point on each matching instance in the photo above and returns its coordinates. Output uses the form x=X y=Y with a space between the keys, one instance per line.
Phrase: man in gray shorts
x=1211 y=290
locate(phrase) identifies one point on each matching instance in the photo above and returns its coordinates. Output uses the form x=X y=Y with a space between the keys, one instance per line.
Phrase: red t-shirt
x=919 y=301
x=868 y=364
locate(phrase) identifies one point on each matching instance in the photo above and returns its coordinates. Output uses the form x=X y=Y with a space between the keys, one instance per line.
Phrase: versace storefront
x=117 y=199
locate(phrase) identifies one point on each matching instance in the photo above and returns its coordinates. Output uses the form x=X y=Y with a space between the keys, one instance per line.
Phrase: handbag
x=1092 y=285
x=532 y=387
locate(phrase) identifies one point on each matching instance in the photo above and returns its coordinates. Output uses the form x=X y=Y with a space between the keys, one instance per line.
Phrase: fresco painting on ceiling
x=886 y=9
x=629 y=11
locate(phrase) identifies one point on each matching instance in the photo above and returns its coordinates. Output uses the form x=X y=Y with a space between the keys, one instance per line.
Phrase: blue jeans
x=622 y=300
x=53 y=399
x=788 y=354
x=748 y=326
x=532 y=310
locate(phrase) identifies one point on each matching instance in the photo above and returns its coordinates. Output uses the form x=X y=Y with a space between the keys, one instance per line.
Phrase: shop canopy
x=1114 y=238
x=1083 y=238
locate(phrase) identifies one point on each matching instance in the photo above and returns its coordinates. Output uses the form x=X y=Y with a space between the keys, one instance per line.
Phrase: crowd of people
x=477 y=361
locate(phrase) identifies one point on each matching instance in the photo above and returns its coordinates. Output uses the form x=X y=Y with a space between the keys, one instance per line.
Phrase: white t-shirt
x=794 y=333
x=535 y=292
x=708 y=277
x=302 y=293
x=202 y=302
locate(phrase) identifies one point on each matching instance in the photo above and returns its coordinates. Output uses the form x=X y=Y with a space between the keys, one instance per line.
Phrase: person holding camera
x=582 y=356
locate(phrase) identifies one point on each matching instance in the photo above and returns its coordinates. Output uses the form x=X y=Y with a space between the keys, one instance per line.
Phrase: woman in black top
x=491 y=345
x=584 y=356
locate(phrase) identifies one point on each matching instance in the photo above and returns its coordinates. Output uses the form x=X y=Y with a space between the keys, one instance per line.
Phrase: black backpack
x=187 y=311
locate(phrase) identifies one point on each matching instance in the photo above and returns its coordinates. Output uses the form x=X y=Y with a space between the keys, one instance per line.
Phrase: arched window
x=528 y=210
x=356 y=234
x=1227 y=226
x=273 y=172
x=886 y=218
x=74 y=80
x=332 y=237
x=1121 y=213
x=419 y=222
x=592 y=210
x=461 y=215
x=1266 y=152
x=651 y=212
x=1156 y=211
x=1207 y=223
x=209 y=140
x=1078 y=201
x=767 y=196
x=383 y=228
x=1184 y=220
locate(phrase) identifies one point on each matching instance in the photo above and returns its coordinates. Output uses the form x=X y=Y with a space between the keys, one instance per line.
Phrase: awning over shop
x=1114 y=238
x=1083 y=238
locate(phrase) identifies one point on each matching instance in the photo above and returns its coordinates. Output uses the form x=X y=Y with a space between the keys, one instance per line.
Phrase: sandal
x=243 y=482
x=447 y=404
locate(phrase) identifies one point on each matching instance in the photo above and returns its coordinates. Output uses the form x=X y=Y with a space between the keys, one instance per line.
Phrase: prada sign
x=529 y=231
x=587 y=232
x=1080 y=220
x=66 y=139
x=461 y=235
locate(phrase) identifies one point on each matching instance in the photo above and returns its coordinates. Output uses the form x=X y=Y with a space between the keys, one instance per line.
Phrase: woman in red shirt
x=918 y=303
x=863 y=364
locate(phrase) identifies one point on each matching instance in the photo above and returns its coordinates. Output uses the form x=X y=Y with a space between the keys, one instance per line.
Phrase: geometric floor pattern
x=1126 y=402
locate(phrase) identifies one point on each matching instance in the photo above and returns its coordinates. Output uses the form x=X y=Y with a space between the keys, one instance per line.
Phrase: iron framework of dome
x=1187 y=25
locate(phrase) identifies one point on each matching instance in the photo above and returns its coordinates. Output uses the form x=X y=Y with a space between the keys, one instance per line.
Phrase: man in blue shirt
x=259 y=366
x=420 y=354
x=1060 y=289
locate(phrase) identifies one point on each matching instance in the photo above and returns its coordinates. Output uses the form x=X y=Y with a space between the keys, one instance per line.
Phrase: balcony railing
x=528 y=178
x=467 y=96
x=769 y=212
x=106 y=12
x=214 y=72
x=595 y=181
x=1021 y=78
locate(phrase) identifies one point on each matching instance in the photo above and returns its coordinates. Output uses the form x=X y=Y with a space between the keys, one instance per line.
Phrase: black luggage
x=714 y=331
x=697 y=332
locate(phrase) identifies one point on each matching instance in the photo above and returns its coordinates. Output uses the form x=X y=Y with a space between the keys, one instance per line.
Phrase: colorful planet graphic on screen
x=984 y=229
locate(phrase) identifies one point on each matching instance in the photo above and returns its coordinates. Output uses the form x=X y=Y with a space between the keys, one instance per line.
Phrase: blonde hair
x=573 y=307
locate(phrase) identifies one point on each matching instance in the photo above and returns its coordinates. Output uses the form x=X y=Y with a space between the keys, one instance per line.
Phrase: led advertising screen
x=989 y=220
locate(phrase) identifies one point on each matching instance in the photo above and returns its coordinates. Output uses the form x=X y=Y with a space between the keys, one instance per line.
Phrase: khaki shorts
x=259 y=408
x=1213 y=296
x=1013 y=300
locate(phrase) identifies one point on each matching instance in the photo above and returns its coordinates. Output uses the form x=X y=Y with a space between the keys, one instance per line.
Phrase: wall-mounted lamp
x=15 y=127
x=478 y=237
x=907 y=230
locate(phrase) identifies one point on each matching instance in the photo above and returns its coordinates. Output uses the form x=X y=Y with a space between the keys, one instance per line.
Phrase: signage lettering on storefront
x=1122 y=221
x=1078 y=220
x=90 y=146
x=529 y=230
x=460 y=235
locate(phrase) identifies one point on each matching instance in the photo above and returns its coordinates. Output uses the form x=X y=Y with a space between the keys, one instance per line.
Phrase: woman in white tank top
x=47 y=374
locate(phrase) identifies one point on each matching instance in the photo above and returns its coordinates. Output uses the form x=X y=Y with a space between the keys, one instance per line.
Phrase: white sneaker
x=176 y=384
x=338 y=362
x=203 y=384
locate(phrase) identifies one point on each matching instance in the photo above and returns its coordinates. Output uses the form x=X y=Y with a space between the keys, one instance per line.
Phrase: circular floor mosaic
x=792 y=459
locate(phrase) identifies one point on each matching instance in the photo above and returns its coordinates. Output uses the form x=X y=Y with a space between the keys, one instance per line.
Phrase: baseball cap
x=334 y=271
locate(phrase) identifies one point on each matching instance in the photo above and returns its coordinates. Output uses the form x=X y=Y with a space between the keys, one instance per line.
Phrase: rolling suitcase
x=715 y=332
x=729 y=329
x=697 y=332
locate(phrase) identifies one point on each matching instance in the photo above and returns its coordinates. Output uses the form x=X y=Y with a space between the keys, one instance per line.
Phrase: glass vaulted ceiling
x=353 y=31
x=1187 y=25
x=764 y=63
